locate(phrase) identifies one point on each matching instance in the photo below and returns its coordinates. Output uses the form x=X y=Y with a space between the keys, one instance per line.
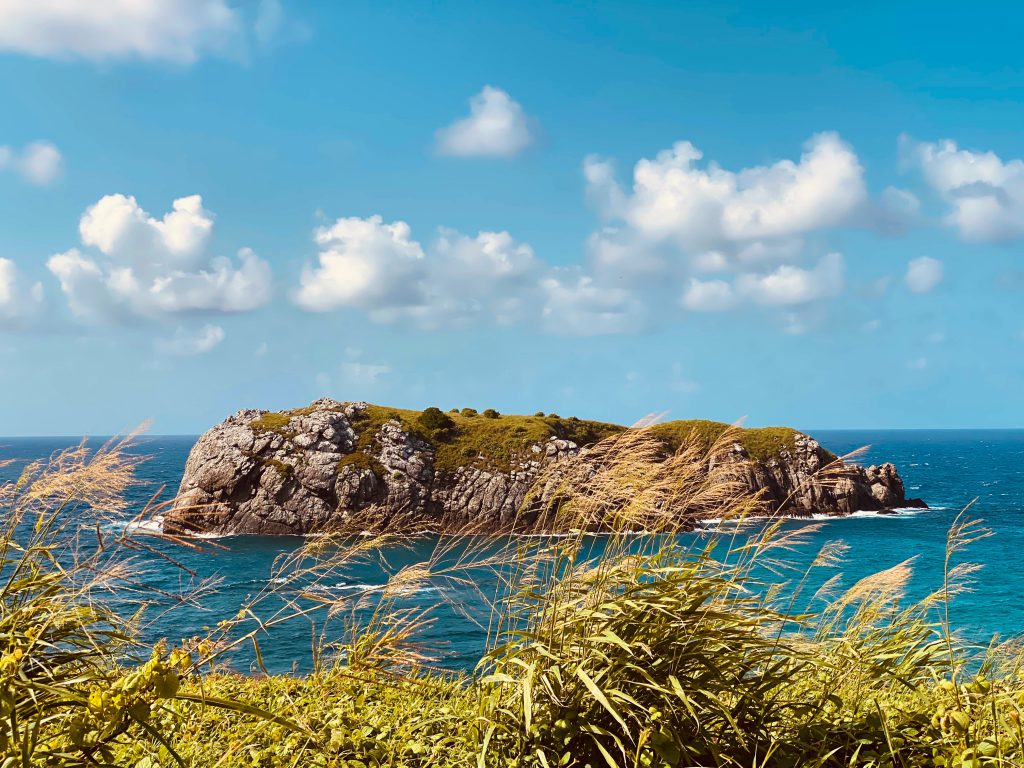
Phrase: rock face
x=320 y=467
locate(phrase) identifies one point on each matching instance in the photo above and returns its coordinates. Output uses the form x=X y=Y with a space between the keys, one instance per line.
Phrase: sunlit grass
x=643 y=647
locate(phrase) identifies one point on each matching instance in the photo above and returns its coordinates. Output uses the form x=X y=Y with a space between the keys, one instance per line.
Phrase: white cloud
x=897 y=210
x=363 y=263
x=576 y=305
x=984 y=193
x=459 y=280
x=151 y=267
x=496 y=126
x=172 y=30
x=685 y=237
x=702 y=209
x=731 y=238
x=186 y=343
x=39 y=163
x=274 y=26
x=364 y=373
x=923 y=274
x=708 y=296
x=19 y=300
x=789 y=285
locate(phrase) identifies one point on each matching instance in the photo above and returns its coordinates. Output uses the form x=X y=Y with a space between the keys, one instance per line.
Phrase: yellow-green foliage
x=346 y=721
x=760 y=443
x=653 y=650
x=491 y=443
x=501 y=442
x=273 y=422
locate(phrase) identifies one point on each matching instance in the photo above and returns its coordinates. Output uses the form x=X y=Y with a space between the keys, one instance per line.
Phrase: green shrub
x=468 y=411
x=490 y=413
x=435 y=420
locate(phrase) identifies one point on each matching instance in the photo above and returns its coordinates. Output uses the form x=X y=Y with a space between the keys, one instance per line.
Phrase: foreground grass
x=344 y=721
x=646 y=651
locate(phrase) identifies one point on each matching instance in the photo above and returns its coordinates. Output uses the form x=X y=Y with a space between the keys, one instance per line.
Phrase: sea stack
x=314 y=469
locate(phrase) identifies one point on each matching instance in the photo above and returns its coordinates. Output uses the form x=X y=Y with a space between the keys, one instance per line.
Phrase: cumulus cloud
x=458 y=280
x=790 y=285
x=787 y=285
x=20 y=300
x=577 y=305
x=185 y=343
x=701 y=209
x=366 y=264
x=896 y=211
x=708 y=296
x=684 y=237
x=39 y=163
x=985 y=194
x=172 y=30
x=151 y=267
x=924 y=274
x=496 y=126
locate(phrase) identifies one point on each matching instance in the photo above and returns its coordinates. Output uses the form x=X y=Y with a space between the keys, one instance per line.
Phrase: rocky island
x=310 y=469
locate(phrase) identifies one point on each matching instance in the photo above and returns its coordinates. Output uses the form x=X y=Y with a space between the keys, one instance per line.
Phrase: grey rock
x=312 y=476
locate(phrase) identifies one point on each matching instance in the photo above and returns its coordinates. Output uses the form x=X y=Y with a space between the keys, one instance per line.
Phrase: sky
x=790 y=213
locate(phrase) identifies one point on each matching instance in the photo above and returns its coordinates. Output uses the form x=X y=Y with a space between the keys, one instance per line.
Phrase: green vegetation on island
x=496 y=441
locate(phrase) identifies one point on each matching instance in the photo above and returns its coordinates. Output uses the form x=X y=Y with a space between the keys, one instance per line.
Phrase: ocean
x=948 y=469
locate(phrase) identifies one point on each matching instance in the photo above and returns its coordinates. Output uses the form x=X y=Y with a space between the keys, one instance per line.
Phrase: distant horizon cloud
x=497 y=126
x=38 y=163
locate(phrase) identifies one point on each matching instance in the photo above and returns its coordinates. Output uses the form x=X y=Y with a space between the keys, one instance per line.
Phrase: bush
x=490 y=413
x=554 y=416
x=539 y=414
x=434 y=420
x=468 y=411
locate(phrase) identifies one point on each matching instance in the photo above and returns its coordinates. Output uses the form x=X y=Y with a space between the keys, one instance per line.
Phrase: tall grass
x=647 y=645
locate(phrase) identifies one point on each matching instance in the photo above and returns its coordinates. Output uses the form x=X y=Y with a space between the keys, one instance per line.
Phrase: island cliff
x=316 y=468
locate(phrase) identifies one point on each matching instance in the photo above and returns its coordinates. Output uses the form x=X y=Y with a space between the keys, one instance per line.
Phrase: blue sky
x=796 y=214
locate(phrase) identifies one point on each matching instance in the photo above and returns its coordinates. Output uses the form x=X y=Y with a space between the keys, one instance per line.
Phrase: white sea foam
x=153 y=526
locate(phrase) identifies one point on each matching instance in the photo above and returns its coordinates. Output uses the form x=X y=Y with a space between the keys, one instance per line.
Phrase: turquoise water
x=948 y=469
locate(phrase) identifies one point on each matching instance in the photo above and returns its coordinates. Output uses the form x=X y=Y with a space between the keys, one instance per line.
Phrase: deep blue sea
x=948 y=469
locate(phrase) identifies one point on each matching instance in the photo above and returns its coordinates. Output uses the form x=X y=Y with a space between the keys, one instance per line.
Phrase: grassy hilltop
x=497 y=441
